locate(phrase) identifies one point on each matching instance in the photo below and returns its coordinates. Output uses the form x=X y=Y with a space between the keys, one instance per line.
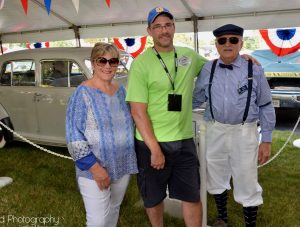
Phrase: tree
x=251 y=43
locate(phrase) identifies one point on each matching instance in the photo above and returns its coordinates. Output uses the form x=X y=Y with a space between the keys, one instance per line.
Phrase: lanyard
x=172 y=80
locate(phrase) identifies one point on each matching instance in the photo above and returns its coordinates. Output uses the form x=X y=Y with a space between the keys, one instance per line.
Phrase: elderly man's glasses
x=159 y=27
x=113 y=62
x=232 y=40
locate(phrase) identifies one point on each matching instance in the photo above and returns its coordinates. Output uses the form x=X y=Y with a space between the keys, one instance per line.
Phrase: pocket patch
x=242 y=89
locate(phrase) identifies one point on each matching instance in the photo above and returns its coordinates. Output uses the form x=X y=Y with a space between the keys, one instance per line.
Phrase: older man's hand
x=264 y=152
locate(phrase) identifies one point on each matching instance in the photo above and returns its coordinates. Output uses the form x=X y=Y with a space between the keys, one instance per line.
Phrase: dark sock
x=221 y=201
x=250 y=214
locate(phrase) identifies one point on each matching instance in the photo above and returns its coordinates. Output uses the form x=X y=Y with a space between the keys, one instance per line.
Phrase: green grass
x=45 y=186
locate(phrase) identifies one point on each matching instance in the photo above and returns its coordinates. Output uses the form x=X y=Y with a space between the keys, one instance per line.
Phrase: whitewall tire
x=2 y=139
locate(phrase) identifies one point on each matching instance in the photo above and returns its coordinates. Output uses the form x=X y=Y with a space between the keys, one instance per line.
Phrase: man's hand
x=249 y=57
x=144 y=125
x=264 y=152
x=157 y=160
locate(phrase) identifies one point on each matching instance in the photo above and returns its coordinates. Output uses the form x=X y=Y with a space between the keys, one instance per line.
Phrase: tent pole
x=77 y=34
x=194 y=18
x=195 y=25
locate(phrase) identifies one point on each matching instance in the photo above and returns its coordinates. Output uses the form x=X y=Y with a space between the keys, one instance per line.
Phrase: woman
x=99 y=131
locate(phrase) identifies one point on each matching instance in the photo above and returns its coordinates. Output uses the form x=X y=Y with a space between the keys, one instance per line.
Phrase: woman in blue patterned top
x=99 y=132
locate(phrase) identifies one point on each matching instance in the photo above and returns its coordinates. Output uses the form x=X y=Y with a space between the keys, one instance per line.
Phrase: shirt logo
x=242 y=89
x=159 y=9
x=183 y=61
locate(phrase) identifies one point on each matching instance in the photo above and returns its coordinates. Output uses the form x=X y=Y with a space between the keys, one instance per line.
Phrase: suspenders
x=250 y=82
x=213 y=67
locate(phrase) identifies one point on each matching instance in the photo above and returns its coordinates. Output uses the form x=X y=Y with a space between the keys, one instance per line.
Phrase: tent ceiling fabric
x=128 y=17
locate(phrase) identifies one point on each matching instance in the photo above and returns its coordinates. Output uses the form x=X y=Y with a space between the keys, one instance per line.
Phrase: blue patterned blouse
x=99 y=128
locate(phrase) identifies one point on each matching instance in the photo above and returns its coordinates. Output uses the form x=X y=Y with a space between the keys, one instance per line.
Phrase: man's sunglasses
x=232 y=40
x=113 y=62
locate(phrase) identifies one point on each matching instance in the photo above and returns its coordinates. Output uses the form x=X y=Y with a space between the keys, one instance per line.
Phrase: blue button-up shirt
x=229 y=95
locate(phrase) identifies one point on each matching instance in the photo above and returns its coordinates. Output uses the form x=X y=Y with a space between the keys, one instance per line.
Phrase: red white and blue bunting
x=133 y=46
x=76 y=5
x=47 y=4
x=25 y=5
x=38 y=45
x=282 y=41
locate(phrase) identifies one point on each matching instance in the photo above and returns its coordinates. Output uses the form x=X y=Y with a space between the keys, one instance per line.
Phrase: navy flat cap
x=228 y=29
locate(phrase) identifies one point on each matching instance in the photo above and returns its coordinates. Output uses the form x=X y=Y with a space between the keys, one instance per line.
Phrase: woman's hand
x=101 y=176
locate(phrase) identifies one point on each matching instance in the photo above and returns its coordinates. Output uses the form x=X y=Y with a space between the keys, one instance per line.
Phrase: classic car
x=33 y=99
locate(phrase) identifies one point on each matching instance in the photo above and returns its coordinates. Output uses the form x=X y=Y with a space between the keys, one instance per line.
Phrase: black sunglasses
x=113 y=62
x=232 y=40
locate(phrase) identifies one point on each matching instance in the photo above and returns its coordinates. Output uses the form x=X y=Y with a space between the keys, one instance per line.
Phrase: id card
x=174 y=102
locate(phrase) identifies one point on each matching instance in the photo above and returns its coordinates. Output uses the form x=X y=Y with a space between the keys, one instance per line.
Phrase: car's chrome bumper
x=286 y=99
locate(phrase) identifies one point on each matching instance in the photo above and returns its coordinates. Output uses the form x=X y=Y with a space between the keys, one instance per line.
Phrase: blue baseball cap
x=154 y=13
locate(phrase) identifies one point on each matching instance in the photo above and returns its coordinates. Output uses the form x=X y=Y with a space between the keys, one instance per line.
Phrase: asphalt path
x=286 y=119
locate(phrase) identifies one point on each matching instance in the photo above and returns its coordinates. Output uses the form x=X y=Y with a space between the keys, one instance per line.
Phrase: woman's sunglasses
x=232 y=40
x=113 y=62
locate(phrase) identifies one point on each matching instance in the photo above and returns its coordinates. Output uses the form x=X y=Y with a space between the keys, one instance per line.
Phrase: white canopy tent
x=128 y=17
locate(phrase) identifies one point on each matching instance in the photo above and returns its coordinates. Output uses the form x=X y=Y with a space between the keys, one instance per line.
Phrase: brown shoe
x=220 y=223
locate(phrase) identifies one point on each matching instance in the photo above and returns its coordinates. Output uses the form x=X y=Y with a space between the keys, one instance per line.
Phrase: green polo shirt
x=148 y=83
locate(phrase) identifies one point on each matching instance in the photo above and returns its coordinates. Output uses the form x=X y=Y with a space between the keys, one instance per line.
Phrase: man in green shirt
x=160 y=94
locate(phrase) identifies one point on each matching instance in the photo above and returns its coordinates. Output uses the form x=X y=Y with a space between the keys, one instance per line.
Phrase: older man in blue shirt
x=238 y=96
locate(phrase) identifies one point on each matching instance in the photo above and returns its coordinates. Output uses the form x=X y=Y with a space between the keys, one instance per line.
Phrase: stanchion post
x=200 y=128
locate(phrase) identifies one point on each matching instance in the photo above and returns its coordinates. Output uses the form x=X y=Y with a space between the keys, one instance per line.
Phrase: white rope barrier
x=284 y=145
x=33 y=144
x=68 y=157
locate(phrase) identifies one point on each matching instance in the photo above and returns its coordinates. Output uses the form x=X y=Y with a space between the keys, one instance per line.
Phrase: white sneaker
x=5 y=181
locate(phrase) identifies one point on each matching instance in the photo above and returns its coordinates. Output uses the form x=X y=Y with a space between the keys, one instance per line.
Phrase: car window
x=6 y=71
x=61 y=73
x=18 y=73
x=76 y=74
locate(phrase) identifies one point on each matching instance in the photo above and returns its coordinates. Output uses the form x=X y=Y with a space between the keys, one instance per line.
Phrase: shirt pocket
x=242 y=93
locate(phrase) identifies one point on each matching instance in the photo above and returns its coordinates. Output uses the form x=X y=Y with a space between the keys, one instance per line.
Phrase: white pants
x=102 y=207
x=232 y=151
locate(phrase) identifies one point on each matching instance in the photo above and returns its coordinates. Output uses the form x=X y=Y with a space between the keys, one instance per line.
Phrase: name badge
x=174 y=102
